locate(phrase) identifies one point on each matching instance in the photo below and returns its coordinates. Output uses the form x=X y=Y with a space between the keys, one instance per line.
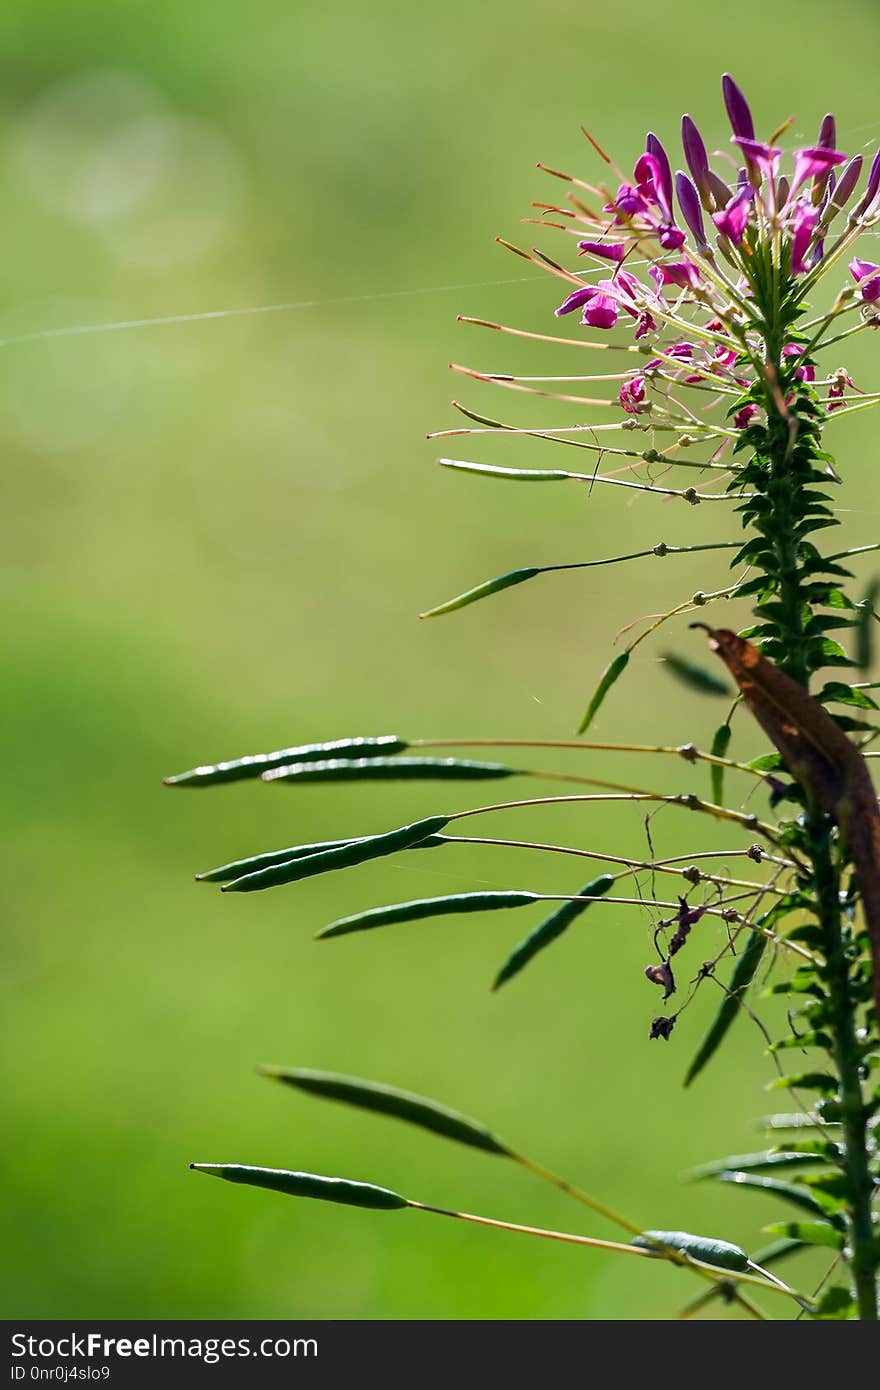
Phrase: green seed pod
x=352 y=1194
x=611 y=673
x=520 y=475
x=389 y=770
x=257 y=763
x=711 y=1252
x=491 y=586
x=355 y=852
x=743 y=974
x=720 y=744
x=239 y=867
x=427 y=907
x=388 y=1100
x=550 y=929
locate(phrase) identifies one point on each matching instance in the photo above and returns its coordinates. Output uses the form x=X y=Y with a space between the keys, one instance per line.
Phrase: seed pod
x=388 y=1100
x=491 y=586
x=711 y=1252
x=389 y=770
x=352 y=1194
x=257 y=763
x=355 y=852
x=427 y=907
x=612 y=672
x=550 y=929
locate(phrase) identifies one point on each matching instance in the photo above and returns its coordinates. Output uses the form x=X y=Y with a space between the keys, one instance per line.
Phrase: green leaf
x=389 y=770
x=842 y=694
x=756 y=1163
x=491 y=586
x=791 y=1192
x=808 y=1233
x=864 y=627
x=711 y=1252
x=258 y=763
x=772 y=1123
x=821 y=1081
x=355 y=852
x=695 y=676
x=837 y=1304
x=388 y=1100
x=611 y=673
x=427 y=907
x=550 y=929
x=743 y=974
x=720 y=744
x=352 y=1194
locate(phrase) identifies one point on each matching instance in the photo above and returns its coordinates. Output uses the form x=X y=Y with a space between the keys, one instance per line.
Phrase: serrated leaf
x=612 y=672
x=352 y=1194
x=427 y=907
x=390 y=1101
x=548 y=930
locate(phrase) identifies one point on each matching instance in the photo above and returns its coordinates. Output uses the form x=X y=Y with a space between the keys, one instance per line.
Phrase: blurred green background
x=216 y=538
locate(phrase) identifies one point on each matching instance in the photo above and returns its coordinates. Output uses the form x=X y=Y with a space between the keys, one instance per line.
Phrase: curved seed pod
x=720 y=745
x=767 y=1255
x=611 y=673
x=522 y=475
x=388 y=1100
x=743 y=974
x=253 y=766
x=389 y=770
x=491 y=586
x=427 y=907
x=550 y=929
x=711 y=1252
x=352 y=1194
x=355 y=852
x=237 y=868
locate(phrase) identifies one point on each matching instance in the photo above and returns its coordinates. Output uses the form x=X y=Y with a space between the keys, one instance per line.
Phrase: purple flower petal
x=867 y=276
x=814 y=162
x=689 y=202
x=828 y=132
x=664 y=182
x=600 y=312
x=696 y=159
x=737 y=108
x=731 y=222
x=803 y=225
x=845 y=187
x=606 y=250
x=765 y=158
x=576 y=299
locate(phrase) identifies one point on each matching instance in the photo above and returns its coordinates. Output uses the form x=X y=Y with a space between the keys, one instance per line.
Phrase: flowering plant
x=711 y=272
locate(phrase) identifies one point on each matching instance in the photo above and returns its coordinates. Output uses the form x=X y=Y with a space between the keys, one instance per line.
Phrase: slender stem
x=865 y=1257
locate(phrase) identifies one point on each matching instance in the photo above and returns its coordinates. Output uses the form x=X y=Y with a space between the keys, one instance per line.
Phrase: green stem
x=864 y=1257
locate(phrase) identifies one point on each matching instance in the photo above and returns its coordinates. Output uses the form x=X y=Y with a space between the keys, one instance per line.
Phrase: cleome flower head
x=726 y=251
